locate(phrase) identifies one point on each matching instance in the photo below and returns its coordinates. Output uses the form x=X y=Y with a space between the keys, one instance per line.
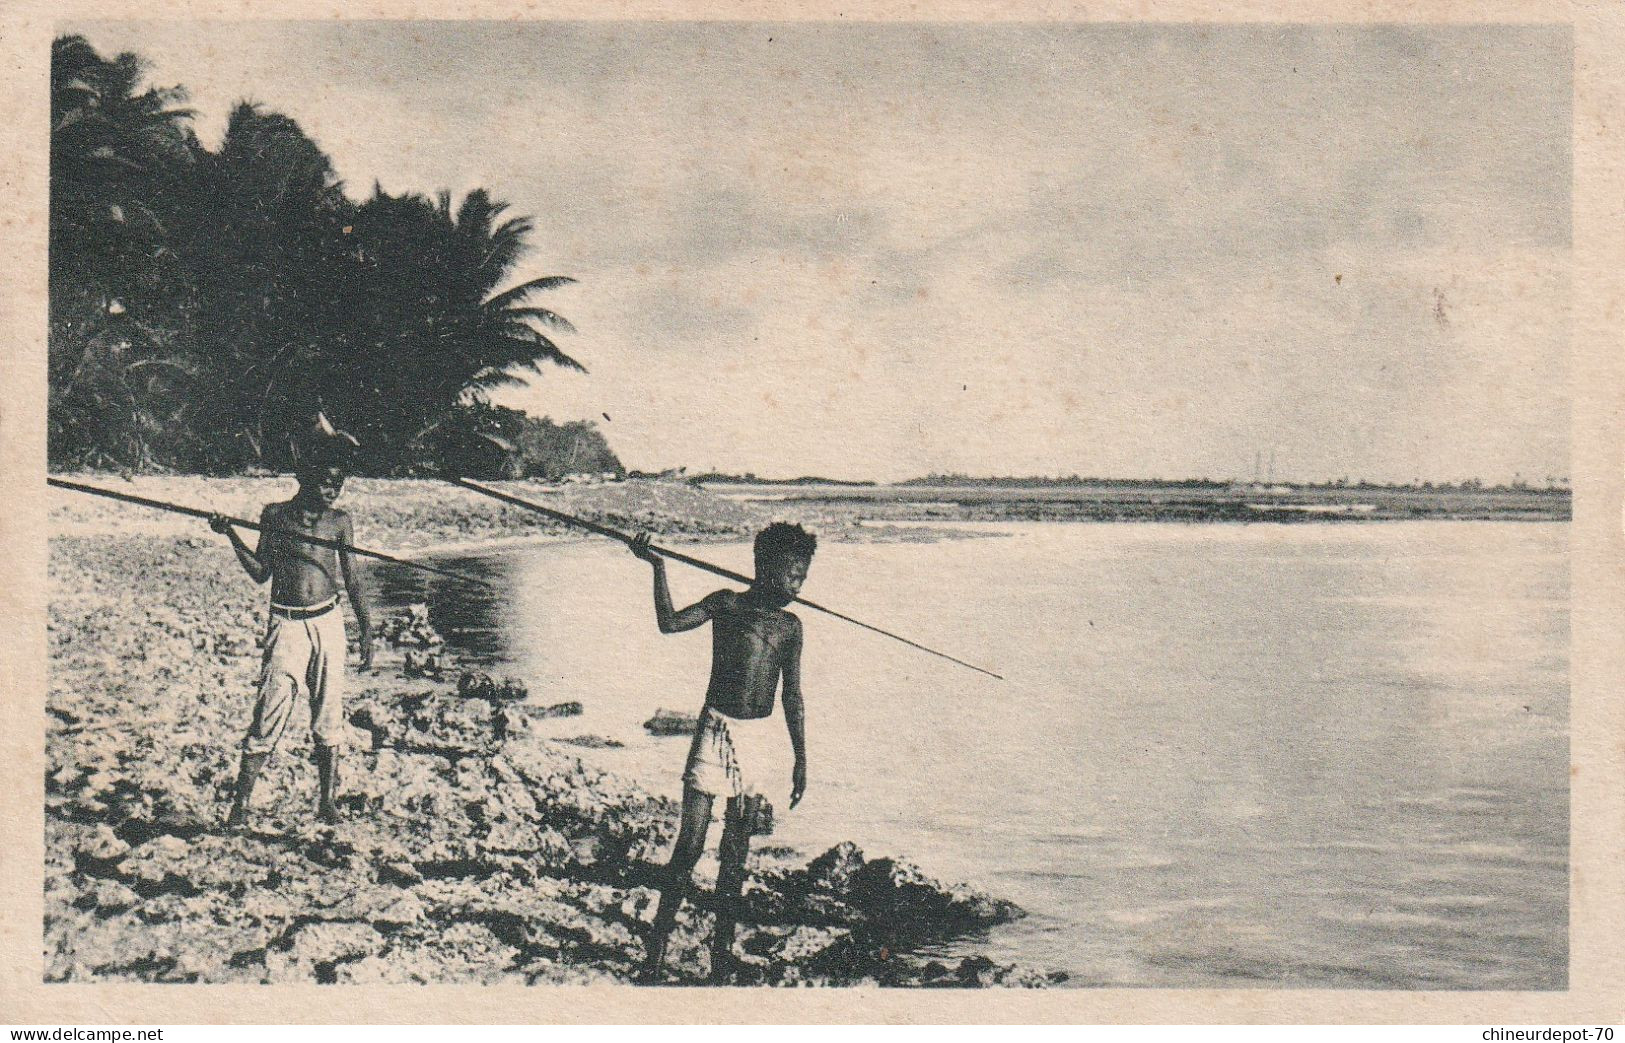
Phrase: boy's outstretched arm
x=795 y=715
x=252 y=561
x=352 y=586
x=669 y=620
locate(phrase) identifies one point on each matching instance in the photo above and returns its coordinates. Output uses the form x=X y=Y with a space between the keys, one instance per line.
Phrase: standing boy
x=304 y=642
x=754 y=642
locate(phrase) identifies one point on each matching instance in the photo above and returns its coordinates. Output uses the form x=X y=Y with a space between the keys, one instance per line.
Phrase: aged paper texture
x=1208 y=414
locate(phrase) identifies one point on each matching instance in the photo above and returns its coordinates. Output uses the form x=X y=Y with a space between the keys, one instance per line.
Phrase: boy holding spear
x=754 y=642
x=305 y=639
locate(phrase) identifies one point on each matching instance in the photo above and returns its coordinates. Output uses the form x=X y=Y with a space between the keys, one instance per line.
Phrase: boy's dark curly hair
x=317 y=458
x=783 y=539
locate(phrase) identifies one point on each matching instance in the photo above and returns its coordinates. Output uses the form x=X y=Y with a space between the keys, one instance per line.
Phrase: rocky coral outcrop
x=671 y=722
x=471 y=849
x=411 y=629
x=474 y=684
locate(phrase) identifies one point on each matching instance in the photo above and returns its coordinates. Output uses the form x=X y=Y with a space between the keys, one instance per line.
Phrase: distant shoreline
x=1167 y=502
x=417 y=515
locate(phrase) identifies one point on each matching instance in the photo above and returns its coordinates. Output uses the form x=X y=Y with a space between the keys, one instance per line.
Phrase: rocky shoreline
x=471 y=849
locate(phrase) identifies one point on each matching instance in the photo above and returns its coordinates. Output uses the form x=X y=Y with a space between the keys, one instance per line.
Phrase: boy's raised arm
x=352 y=586
x=795 y=715
x=669 y=620
x=252 y=561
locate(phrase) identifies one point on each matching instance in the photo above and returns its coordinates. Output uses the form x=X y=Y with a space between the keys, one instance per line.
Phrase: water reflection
x=468 y=616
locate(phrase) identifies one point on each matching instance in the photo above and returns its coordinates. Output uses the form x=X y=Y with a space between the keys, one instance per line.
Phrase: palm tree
x=436 y=332
x=502 y=333
x=205 y=304
x=116 y=151
x=268 y=248
x=118 y=157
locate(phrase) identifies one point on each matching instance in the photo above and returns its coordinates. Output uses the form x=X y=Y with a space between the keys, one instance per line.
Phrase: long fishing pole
x=319 y=541
x=718 y=570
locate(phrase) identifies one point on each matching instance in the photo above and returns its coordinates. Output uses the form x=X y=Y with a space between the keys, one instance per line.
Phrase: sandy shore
x=471 y=850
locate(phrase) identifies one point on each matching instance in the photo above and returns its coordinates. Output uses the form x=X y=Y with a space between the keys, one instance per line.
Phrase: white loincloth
x=731 y=757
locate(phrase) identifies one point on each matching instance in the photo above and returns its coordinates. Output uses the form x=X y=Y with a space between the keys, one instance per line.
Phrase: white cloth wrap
x=731 y=757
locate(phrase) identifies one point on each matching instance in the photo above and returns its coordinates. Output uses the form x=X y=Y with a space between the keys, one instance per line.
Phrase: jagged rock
x=110 y=896
x=405 y=910
x=369 y=970
x=592 y=742
x=163 y=865
x=979 y=972
x=893 y=901
x=411 y=629
x=476 y=685
x=501 y=770
x=433 y=665
x=569 y=709
x=399 y=873
x=586 y=850
x=315 y=949
x=639 y=908
x=376 y=722
x=888 y=890
x=330 y=852
x=551 y=845
x=672 y=722
x=456 y=727
x=103 y=846
x=513 y=835
x=834 y=869
x=267 y=905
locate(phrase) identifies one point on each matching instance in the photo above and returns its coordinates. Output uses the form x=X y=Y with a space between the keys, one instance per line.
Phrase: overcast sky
x=868 y=250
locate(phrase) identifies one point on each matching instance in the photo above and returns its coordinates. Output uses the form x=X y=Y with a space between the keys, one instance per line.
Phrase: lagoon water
x=1315 y=755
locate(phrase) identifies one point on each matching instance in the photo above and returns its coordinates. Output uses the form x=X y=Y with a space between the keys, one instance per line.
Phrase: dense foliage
x=204 y=305
x=486 y=441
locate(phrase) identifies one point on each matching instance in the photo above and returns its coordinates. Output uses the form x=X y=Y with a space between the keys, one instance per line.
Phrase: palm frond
x=532 y=345
x=492 y=378
x=550 y=319
x=525 y=289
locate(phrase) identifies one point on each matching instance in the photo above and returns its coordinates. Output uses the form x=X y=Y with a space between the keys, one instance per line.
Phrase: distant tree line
x=1046 y=481
x=1555 y=486
x=205 y=304
x=486 y=441
x=750 y=478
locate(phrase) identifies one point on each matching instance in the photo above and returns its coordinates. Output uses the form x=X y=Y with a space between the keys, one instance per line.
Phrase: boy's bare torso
x=301 y=573
x=750 y=644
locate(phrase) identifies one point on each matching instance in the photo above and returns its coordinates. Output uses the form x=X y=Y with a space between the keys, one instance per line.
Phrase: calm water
x=1309 y=755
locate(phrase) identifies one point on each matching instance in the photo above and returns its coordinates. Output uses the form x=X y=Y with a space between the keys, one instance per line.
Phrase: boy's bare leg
x=327 y=774
x=247 y=773
x=684 y=856
x=734 y=850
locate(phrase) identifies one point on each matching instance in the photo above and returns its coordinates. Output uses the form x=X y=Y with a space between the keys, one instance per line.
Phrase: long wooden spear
x=717 y=570
x=175 y=508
